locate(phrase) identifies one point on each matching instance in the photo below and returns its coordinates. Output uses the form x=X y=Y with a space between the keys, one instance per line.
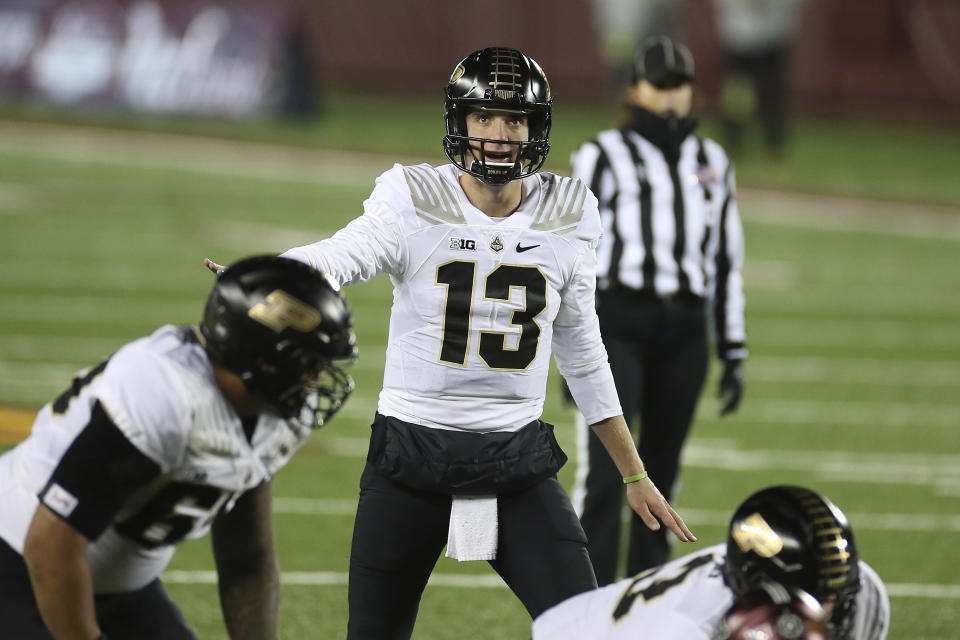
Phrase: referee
x=670 y=258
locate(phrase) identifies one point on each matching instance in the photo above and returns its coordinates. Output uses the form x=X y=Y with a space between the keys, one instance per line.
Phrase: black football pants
x=658 y=354
x=400 y=532
x=146 y=613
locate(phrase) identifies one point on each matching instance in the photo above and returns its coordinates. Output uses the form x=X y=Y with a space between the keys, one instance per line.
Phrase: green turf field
x=852 y=385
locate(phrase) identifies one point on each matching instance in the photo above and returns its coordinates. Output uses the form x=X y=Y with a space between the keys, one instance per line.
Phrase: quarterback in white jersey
x=688 y=597
x=493 y=266
x=478 y=301
x=175 y=433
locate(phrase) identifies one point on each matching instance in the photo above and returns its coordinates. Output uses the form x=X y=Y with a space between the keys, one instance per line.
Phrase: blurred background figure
x=672 y=248
x=755 y=38
x=621 y=24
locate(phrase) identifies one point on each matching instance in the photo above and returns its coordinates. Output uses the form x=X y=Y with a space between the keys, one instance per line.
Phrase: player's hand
x=648 y=503
x=731 y=386
x=217 y=269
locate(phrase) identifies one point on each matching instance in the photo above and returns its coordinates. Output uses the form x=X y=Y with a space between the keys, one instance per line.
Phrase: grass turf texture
x=851 y=385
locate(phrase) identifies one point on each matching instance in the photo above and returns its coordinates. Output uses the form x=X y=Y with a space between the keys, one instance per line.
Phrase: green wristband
x=636 y=478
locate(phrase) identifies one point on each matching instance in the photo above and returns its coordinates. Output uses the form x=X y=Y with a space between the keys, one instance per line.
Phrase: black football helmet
x=795 y=537
x=503 y=79
x=287 y=331
x=772 y=612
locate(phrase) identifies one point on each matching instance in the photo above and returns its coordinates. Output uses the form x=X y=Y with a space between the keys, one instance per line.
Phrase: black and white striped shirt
x=661 y=243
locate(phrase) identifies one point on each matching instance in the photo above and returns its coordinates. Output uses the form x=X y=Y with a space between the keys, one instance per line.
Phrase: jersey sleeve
x=96 y=474
x=588 y=163
x=873 y=606
x=148 y=403
x=577 y=343
x=132 y=432
x=369 y=245
x=724 y=267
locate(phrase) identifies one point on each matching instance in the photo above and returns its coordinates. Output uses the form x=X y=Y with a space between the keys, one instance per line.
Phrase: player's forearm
x=248 y=576
x=63 y=589
x=616 y=439
x=250 y=600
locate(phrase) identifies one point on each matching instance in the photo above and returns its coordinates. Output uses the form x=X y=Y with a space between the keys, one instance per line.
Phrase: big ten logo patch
x=463 y=244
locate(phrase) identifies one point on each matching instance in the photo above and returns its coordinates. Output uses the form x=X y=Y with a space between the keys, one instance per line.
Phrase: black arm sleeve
x=98 y=472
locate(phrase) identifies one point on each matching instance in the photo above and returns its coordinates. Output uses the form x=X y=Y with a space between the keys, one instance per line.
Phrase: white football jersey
x=478 y=302
x=685 y=598
x=160 y=392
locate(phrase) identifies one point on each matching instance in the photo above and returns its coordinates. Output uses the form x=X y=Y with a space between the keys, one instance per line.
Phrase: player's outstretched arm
x=643 y=496
x=248 y=576
x=55 y=555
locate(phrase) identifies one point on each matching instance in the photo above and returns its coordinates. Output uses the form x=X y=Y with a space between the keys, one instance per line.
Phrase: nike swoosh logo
x=455 y=485
x=521 y=249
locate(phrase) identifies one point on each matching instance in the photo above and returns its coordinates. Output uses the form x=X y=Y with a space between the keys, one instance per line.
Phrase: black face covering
x=666 y=131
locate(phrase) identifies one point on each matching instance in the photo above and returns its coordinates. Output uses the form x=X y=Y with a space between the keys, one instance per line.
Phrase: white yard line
x=278 y=162
x=844 y=212
x=54 y=354
x=940 y=472
x=337 y=578
x=193 y=153
x=922 y=522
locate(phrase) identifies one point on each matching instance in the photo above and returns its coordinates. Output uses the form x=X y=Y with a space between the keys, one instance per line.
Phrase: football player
x=786 y=535
x=174 y=434
x=493 y=266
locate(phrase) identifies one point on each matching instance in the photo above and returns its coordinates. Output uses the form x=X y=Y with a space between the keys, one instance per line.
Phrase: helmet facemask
x=497 y=79
x=301 y=385
x=463 y=149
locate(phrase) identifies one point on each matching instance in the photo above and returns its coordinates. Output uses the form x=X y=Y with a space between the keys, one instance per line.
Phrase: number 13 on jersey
x=459 y=277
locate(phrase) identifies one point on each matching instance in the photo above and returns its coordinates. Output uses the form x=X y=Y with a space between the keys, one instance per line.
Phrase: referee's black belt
x=682 y=299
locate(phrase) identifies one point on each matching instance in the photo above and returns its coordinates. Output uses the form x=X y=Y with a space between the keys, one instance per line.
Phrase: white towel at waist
x=473 y=528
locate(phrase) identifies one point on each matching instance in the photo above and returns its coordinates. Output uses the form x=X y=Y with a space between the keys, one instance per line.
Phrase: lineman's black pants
x=400 y=532
x=658 y=354
x=144 y=614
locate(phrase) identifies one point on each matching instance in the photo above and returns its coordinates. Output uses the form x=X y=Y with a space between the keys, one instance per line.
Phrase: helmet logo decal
x=281 y=310
x=754 y=534
x=457 y=74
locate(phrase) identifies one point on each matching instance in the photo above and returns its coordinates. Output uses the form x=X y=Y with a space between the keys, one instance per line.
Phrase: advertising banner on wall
x=176 y=57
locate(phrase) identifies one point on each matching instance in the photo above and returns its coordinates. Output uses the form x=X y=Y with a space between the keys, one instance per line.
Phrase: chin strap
x=495 y=172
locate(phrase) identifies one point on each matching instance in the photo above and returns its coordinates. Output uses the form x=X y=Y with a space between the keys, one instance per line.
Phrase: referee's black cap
x=663 y=62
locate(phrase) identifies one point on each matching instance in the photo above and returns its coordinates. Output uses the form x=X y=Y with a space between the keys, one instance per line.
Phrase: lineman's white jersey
x=478 y=301
x=187 y=450
x=685 y=598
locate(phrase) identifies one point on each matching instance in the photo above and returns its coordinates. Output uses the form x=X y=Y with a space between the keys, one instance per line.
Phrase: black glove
x=731 y=386
x=568 y=400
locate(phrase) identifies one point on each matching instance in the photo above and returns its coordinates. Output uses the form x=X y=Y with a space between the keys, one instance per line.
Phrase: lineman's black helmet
x=286 y=330
x=795 y=537
x=503 y=79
